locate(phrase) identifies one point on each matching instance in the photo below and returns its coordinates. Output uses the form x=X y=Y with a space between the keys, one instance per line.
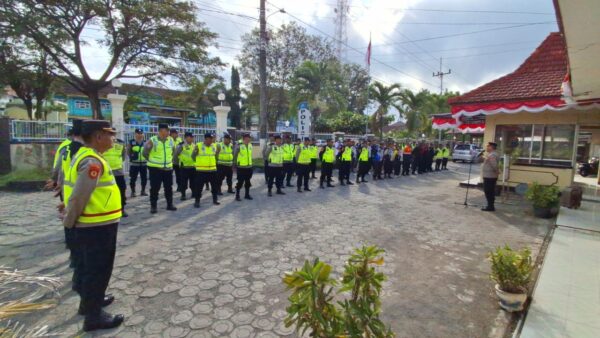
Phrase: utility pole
x=262 y=65
x=441 y=75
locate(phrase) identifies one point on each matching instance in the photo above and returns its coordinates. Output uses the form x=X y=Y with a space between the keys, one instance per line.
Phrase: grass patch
x=24 y=175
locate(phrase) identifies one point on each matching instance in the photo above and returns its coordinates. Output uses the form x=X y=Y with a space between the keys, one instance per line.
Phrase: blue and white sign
x=304 y=120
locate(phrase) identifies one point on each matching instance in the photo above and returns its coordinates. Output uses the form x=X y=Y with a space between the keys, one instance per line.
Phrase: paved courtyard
x=216 y=272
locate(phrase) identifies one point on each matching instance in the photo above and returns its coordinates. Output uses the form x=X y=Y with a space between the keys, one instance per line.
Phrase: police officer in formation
x=115 y=156
x=242 y=158
x=314 y=152
x=345 y=161
x=186 y=164
x=174 y=134
x=303 y=160
x=225 y=164
x=274 y=168
x=289 y=158
x=137 y=162
x=159 y=153
x=327 y=156
x=205 y=157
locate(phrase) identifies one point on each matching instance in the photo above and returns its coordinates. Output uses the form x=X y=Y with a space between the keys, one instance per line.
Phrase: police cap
x=88 y=127
x=163 y=126
x=208 y=135
x=188 y=134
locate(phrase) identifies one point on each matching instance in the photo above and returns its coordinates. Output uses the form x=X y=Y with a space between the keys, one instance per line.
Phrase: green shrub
x=543 y=196
x=511 y=269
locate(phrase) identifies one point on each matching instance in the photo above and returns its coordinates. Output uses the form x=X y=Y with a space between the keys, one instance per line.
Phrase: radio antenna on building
x=341 y=19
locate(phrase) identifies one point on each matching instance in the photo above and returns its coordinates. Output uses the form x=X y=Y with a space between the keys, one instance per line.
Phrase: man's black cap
x=163 y=126
x=188 y=134
x=76 y=130
x=493 y=144
x=208 y=135
x=88 y=127
x=138 y=131
x=277 y=137
x=246 y=135
x=173 y=131
x=227 y=136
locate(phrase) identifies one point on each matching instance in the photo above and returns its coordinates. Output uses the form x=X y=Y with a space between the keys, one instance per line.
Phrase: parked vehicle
x=320 y=143
x=466 y=153
x=589 y=168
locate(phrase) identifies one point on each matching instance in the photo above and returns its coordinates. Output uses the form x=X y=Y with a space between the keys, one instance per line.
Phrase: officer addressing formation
x=88 y=175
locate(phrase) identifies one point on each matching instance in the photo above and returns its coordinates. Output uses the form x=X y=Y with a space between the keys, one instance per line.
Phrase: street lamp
x=221 y=97
x=117 y=84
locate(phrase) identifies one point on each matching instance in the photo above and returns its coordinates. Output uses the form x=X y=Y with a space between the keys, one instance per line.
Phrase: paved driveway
x=217 y=271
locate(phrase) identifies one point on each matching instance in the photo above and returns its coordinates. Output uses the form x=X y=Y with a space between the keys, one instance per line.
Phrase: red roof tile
x=539 y=77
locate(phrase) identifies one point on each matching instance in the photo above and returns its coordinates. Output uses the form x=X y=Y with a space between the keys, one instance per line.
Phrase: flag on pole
x=368 y=56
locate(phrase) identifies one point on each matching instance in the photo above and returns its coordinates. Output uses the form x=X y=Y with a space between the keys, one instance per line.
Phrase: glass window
x=104 y=106
x=558 y=144
x=82 y=105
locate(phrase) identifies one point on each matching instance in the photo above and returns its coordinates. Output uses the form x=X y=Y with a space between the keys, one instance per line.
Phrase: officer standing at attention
x=225 y=164
x=137 y=162
x=327 y=161
x=345 y=163
x=58 y=155
x=205 y=157
x=439 y=155
x=314 y=153
x=115 y=156
x=187 y=166
x=406 y=159
x=174 y=134
x=363 y=162
x=445 y=156
x=266 y=158
x=92 y=208
x=159 y=152
x=274 y=156
x=303 y=156
x=242 y=157
x=489 y=173
x=289 y=153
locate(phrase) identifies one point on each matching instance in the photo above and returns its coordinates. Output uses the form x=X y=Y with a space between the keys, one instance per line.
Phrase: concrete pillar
x=221 y=112
x=117 y=102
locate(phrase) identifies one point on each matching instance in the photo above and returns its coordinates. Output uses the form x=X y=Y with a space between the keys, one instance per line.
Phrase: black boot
x=307 y=189
x=215 y=201
x=349 y=183
x=288 y=184
x=247 y=194
x=183 y=198
x=237 y=195
x=123 y=213
x=230 y=190
x=144 y=192
x=299 y=189
x=108 y=299
x=170 y=206
x=132 y=192
x=279 y=192
x=329 y=185
x=197 y=203
x=153 y=208
x=321 y=185
x=219 y=192
x=101 y=321
x=269 y=193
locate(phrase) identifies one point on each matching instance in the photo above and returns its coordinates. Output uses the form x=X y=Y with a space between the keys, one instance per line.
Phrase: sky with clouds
x=479 y=40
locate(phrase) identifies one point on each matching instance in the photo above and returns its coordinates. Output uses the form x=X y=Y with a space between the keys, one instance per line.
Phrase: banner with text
x=304 y=118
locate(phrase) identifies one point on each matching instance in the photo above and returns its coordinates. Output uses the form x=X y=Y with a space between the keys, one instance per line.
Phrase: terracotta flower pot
x=511 y=302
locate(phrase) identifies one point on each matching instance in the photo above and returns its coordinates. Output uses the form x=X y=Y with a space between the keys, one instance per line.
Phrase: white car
x=320 y=143
x=466 y=153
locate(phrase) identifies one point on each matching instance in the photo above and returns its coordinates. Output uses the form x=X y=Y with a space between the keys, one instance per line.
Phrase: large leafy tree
x=386 y=97
x=356 y=79
x=154 y=40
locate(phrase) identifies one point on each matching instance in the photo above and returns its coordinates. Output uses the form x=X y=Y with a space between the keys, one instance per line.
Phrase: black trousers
x=377 y=166
x=438 y=164
x=288 y=170
x=187 y=179
x=388 y=167
x=266 y=164
x=344 y=171
x=303 y=175
x=120 y=180
x=363 y=169
x=406 y=162
x=202 y=178
x=313 y=166
x=326 y=172
x=96 y=247
x=160 y=177
x=397 y=166
x=275 y=175
x=225 y=172
x=444 y=163
x=489 y=188
x=134 y=170
x=244 y=177
x=177 y=171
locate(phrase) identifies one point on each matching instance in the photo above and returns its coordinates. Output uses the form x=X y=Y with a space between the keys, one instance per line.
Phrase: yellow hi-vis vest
x=305 y=154
x=314 y=152
x=244 y=156
x=328 y=155
x=63 y=144
x=364 y=155
x=161 y=154
x=105 y=202
x=288 y=152
x=136 y=153
x=225 y=154
x=205 y=159
x=445 y=152
x=347 y=154
x=113 y=156
x=276 y=155
x=185 y=156
x=439 y=154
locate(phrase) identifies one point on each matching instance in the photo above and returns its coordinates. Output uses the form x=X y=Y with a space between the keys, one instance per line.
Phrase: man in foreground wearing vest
x=92 y=208
x=289 y=153
x=225 y=164
x=439 y=155
x=205 y=160
x=274 y=156
x=327 y=161
x=137 y=162
x=115 y=156
x=159 y=152
x=187 y=168
x=364 y=164
x=242 y=157
x=303 y=157
x=345 y=163
x=58 y=155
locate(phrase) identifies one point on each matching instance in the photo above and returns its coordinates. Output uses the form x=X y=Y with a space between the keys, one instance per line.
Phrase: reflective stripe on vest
x=225 y=154
x=105 y=202
x=288 y=152
x=276 y=155
x=305 y=155
x=328 y=155
x=113 y=156
x=136 y=152
x=161 y=154
x=364 y=155
x=205 y=159
x=63 y=144
x=347 y=154
x=244 y=156
x=185 y=156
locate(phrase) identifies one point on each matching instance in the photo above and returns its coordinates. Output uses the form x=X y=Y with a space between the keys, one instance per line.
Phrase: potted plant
x=545 y=199
x=511 y=270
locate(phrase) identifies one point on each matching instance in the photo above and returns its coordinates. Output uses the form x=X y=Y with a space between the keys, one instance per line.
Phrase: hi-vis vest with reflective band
x=113 y=156
x=225 y=154
x=395 y=154
x=63 y=144
x=178 y=141
x=276 y=155
x=347 y=154
x=305 y=154
x=205 y=159
x=105 y=202
x=439 y=154
x=161 y=154
x=288 y=152
x=364 y=155
x=68 y=158
x=185 y=156
x=136 y=152
x=328 y=155
x=244 y=156
x=314 y=152
x=445 y=152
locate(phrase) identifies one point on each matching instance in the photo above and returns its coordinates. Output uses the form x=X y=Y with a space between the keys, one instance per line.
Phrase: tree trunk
x=94 y=98
x=28 y=102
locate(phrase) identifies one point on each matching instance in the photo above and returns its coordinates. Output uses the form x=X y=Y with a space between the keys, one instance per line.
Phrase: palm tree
x=387 y=97
x=413 y=109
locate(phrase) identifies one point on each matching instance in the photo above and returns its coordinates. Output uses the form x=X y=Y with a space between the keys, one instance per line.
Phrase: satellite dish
x=521 y=188
x=116 y=83
x=221 y=97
